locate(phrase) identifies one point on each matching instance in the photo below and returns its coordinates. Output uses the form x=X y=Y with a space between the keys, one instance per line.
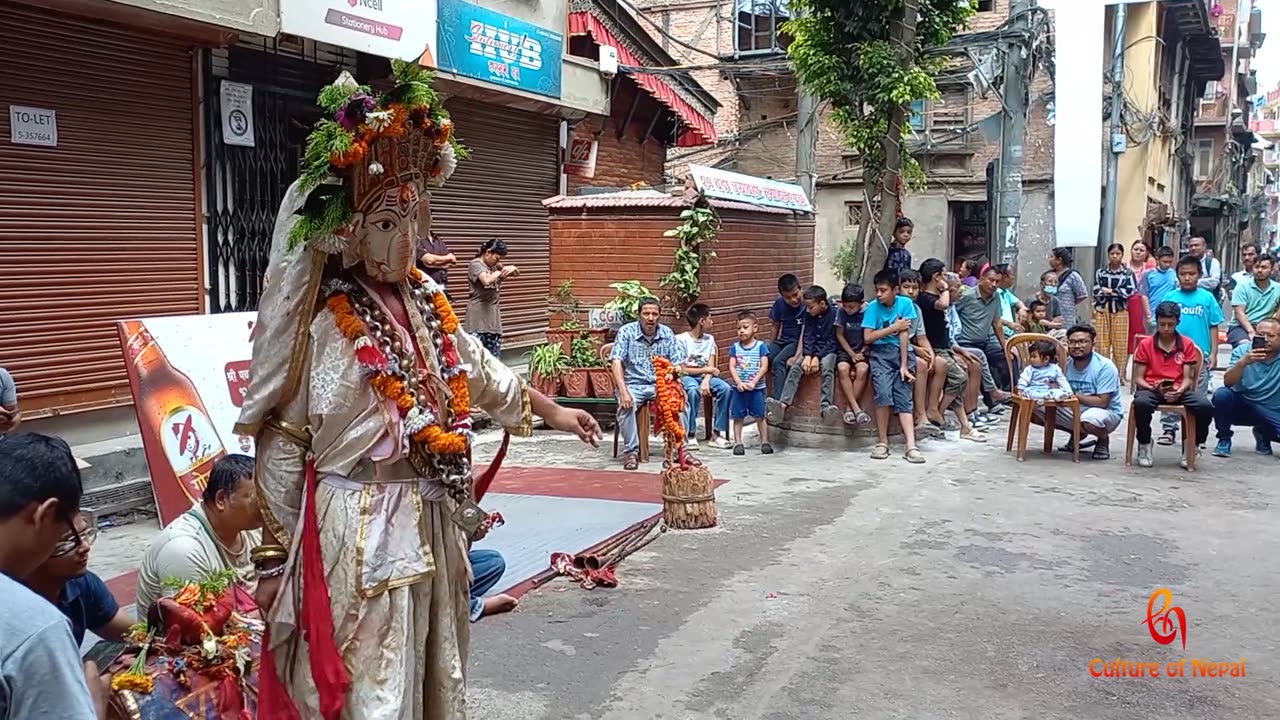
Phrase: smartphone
x=1166 y=385
x=1259 y=342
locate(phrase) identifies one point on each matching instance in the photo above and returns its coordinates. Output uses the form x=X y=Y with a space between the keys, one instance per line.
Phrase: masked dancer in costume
x=362 y=384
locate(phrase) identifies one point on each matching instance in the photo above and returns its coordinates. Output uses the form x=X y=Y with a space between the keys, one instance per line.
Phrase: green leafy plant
x=584 y=354
x=870 y=60
x=845 y=262
x=565 y=303
x=696 y=231
x=627 y=302
x=548 y=360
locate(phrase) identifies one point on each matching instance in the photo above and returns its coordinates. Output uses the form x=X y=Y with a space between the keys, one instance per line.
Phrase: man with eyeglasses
x=64 y=580
x=41 y=675
x=1096 y=382
x=1251 y=391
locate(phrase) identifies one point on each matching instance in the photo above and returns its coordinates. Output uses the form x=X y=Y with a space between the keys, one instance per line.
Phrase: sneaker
x=1144 y=456
x=766 y=449
x=1261 y=444
x=718 y=442
x=1222 y=449
x=739 y=450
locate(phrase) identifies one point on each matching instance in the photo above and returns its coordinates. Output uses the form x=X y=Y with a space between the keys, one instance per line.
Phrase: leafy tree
x=870 y=60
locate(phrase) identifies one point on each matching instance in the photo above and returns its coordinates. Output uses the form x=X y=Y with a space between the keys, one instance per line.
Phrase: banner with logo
x=479 y=43
x=188 y=375
x=399 y=29
x=581 y=159
x=747 y=189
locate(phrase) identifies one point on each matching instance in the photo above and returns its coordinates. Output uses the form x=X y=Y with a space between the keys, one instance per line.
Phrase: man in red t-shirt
x=1164 y=367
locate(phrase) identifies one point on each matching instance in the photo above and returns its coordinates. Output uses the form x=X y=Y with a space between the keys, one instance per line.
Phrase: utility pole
x=1118 y=138
x=902 y=32
x=806 y=138
x=1013 y=133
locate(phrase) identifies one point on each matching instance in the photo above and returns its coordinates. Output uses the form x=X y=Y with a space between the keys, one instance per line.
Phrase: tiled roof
x=646 y=199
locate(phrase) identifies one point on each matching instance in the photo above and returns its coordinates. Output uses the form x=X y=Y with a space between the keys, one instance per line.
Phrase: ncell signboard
x=402 y=29
x=479 y=43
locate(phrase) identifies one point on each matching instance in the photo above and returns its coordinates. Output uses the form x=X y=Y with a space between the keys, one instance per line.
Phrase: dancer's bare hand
x=578 y=422
x=265 y=594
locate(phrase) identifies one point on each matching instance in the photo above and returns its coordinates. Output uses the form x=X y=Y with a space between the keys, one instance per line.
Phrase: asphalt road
x=839 y=587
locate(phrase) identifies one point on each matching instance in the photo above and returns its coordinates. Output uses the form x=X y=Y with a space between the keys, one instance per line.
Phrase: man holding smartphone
x=1164 y=373
x=1251 y=391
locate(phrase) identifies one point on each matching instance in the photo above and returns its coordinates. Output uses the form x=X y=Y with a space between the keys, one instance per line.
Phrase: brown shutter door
x=103 y=226
x=498 y=192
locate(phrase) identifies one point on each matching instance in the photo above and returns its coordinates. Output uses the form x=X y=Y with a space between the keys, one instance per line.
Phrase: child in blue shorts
x=886 y=329
x=748 y=366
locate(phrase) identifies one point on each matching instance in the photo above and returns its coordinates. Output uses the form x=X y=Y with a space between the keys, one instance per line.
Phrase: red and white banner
x=581 y=159
x=188 y=375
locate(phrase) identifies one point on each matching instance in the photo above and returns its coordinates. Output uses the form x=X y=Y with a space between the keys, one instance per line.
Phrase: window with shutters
x=758 y=28
x=950 y=113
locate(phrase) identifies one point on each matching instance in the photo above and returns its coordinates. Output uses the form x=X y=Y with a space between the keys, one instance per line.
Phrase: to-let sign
x=33 y=126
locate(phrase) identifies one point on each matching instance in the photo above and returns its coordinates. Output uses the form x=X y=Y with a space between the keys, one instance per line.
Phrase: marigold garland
x=455 y=441
x=670 y=398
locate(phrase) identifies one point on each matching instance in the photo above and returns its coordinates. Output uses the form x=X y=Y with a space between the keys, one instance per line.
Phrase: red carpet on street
x=546 y=510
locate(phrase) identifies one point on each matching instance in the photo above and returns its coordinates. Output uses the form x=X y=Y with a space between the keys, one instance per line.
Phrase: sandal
x=630 y=462
x=863 y=419
x=947 y=425
x=1101 y=452
x=1167 y=439
x=913 y=456
x=974 y=436
x=880 y=452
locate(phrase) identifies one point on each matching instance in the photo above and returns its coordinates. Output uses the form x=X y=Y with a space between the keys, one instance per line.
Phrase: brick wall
x=598 y=246
x=620 y=162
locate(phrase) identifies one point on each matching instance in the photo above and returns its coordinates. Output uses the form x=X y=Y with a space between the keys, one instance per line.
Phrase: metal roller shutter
x=103 y=226
x=498 y=192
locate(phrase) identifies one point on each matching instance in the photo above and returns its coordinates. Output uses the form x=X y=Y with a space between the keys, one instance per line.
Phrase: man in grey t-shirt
x=41 y=675
x=9 y=416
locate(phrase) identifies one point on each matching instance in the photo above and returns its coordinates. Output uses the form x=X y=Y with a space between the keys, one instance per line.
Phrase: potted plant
x=586 y=358
x=583 y=356
x=548 y=364
x=565 y=320
x=627 y=302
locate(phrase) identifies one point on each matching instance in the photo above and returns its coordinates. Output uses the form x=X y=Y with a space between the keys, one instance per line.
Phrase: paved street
x=839 y=587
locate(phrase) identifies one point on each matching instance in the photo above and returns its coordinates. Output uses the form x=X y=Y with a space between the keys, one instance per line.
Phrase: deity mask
x=383 y=235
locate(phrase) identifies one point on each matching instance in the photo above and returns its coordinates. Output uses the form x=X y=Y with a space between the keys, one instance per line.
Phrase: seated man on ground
x=41 y=675
x=1253 y=299
x=64 y=580
x=851 y=361
x=982 y=330
x=702 y=379
x=818 y=357
x=1251 y=391
x=487 y=567
x=218 y=534
x=632 y=361
x=1096 y=383
x=1164 y=373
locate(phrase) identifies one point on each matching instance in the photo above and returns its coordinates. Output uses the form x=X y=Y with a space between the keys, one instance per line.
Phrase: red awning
x=699 y=130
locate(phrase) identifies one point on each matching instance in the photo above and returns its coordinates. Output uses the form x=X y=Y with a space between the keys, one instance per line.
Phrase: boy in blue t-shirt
x=886 y=329
x=1200 y=317
x=852 y=367
x=748 y=365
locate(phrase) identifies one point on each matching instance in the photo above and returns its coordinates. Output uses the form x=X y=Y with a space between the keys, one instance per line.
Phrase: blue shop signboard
x=479 y=43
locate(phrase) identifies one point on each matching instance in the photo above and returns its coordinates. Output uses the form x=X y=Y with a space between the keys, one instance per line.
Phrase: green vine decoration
x=694 y=235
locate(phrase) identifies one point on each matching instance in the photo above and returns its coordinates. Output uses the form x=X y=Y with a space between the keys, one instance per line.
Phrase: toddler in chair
x=1043 y=378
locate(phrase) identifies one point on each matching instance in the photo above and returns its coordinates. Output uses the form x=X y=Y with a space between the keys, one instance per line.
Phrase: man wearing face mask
x=361 y=387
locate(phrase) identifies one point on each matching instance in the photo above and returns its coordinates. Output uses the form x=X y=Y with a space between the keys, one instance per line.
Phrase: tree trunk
x=902 y=33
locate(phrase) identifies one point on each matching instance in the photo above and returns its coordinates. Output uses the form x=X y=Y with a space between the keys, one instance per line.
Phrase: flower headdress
x=367 y=143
